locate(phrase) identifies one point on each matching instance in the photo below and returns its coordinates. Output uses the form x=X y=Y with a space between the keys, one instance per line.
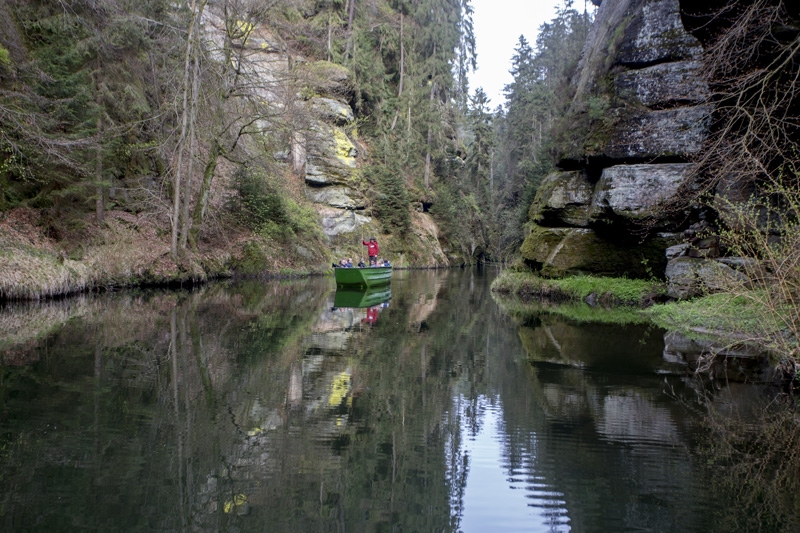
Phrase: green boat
x=354 y=297
x=363 y=277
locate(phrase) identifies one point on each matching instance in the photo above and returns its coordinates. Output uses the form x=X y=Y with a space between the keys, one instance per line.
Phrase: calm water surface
x=263 y=407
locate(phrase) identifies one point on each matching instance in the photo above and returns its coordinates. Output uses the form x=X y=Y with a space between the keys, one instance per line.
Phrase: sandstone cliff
x=638 y=116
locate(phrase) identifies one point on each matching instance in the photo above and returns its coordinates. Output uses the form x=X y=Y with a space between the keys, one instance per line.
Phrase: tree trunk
x=100 y=206
x=205 y=189
x=430 y=138
x=187 y=193
x=428 y=159
x=188 y=68
x=402 y=63
x=350 y=17
x=330 y=30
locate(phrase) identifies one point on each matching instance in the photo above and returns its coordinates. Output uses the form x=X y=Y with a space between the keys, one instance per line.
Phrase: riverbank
x=126 y=250
x=593 y=290
x=742 y=318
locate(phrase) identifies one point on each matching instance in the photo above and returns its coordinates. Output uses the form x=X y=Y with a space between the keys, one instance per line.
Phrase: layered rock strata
x=605 y=215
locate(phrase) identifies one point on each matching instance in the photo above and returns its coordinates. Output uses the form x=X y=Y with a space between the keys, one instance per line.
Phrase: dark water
x=260 y=407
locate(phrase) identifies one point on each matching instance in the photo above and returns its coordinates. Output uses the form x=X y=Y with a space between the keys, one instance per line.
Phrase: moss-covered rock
x=333 y=111
x=688 y=277
x=326 y=78
x=563 y=199
x=560 y=251
x=331 y=156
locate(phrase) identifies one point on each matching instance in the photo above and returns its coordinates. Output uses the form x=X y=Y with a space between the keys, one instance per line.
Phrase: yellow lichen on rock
x=345 y=149
x=339 y=388
x=238 y=501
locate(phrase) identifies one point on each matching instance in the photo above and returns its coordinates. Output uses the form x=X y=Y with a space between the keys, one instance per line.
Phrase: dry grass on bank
x=125 y=250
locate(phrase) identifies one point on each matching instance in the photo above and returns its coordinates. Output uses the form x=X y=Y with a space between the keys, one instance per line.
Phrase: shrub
x=257 y=204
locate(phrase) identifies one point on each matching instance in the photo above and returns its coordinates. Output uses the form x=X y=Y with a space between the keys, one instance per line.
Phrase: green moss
x=325 y=77
x=618 y=290
x=5 y=56
x=574 y=311
x=563 y=251
x=741 y=316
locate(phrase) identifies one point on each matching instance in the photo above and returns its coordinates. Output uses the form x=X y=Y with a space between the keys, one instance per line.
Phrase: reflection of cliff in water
x=224 y=407
x=613 y=385
x=235 y=406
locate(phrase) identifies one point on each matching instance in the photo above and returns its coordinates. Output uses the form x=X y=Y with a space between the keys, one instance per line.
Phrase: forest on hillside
x=129 y=105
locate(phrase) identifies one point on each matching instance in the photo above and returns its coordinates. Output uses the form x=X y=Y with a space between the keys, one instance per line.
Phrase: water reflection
x=240 y=405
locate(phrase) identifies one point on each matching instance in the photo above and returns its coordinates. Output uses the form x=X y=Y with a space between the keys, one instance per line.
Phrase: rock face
x=676 y=132
x=634 y=191
x=656 y=34
x=329 y=157
x=631 y=163
x=661 y=85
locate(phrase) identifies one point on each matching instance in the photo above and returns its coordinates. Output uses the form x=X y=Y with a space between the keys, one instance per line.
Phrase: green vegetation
x=744 y=316
x=619 y=291
x=536 y=99
x=526 y=310
x=257 y=201
x=123 y=105
x=712 y=313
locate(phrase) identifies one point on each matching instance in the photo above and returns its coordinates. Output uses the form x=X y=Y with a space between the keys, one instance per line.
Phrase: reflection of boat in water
x=353 y=297
x=363 y=277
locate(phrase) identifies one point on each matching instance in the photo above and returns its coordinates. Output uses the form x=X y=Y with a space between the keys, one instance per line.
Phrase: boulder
x=663 y=85
x=666 y=133
x=561 y=251
x=688 y=277
x=326 y=78
x=635 y=191
x=563 y=199
x=656 y=34
x=677 y=250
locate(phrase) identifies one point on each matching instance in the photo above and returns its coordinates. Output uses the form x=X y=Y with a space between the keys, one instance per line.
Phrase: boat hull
x=358 y=298
x=363 y=277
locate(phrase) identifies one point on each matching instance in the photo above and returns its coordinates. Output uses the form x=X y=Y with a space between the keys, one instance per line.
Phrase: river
x=262 y=406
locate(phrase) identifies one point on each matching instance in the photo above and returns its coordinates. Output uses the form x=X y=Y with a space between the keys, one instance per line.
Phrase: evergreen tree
x=537 y=96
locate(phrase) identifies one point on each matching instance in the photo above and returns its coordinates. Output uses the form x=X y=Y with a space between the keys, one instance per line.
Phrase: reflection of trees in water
x=130 y=417
x=202 y=410
x=755 y=451
x=219 y=409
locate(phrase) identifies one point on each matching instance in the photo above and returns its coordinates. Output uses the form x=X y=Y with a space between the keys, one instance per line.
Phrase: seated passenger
x=386 y=263
x=349 y=263
x=361 y=263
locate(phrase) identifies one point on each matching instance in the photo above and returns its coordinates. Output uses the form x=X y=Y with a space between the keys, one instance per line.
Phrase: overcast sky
x=498 y=25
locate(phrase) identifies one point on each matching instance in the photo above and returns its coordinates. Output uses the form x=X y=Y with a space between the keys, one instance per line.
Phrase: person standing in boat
x=372 y=250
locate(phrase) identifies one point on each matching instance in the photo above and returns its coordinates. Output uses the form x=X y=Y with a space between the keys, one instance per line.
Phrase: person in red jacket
x=372 y=250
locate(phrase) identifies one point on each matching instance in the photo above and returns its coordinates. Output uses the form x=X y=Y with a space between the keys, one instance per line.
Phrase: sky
x=498 y=25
